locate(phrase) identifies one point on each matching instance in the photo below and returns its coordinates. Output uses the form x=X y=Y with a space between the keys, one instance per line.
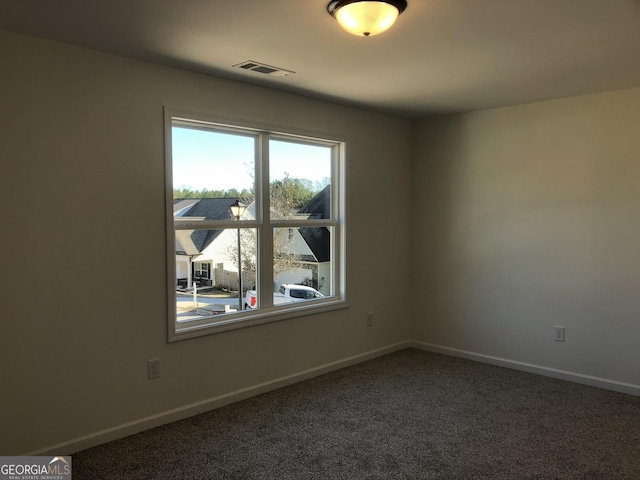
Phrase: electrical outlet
x=558 y=333
x=370 y=319
x=153 y=368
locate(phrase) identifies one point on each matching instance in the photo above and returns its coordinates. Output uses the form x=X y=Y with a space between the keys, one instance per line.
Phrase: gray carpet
x=408 y=415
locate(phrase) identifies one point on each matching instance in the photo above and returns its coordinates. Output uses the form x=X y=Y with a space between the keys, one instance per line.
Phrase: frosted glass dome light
x=365 y=17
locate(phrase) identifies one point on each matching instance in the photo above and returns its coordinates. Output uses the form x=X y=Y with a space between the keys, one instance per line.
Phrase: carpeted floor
x=408 y=415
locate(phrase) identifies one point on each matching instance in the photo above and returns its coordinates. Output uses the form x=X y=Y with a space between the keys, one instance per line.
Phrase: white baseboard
x=613 y=385
x=180 y=413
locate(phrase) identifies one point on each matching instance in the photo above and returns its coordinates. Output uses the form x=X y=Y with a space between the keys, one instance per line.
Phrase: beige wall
x=82 y=292
x=528 y=217
x=522 y=218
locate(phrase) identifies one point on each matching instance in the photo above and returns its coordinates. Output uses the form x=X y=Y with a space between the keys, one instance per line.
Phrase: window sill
x=252 y=318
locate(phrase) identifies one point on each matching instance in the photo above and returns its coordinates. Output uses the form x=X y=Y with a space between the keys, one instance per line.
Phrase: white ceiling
x=440 y=56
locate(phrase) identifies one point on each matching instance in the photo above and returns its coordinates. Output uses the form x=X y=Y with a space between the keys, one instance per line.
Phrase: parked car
x=287 y=293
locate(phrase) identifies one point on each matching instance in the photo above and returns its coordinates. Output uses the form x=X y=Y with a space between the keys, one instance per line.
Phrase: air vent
x=262 y=68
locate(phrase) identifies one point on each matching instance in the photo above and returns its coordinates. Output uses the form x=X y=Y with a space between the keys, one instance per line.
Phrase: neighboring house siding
x=182 y=267
x=218 y=251
x=203 y=246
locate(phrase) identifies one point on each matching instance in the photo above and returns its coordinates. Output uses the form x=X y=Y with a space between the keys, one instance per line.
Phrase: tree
x=187 y=192
x=287 y=196
x=290 y=194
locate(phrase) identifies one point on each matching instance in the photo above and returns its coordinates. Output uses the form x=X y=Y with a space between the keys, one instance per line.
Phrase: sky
x=221 y=161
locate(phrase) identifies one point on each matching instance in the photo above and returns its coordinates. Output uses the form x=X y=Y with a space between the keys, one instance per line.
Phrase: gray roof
x=320 y=205
x=204 y=208
x=208 y=208
x=318 y=238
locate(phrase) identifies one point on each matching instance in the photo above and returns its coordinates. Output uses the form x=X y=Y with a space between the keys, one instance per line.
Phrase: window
x=202 y=270
x=266 y=208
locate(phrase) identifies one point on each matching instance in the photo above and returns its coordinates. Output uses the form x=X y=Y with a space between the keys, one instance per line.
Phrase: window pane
x=211 y=291
x=298 y=174
x=208 y=164
x=304 y=259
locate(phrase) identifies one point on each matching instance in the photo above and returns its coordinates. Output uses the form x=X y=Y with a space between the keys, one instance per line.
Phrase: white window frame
x=263 y=223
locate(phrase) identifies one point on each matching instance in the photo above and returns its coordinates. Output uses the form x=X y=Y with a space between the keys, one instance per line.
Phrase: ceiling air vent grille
x=262 y=68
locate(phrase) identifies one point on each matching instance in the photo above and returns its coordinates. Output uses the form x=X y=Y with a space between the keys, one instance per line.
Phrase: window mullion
x=338 y=201
x=215 y=225
x=265 y=237
x=303 y=223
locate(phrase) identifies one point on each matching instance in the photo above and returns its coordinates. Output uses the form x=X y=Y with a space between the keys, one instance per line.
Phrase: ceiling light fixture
x=366 y=17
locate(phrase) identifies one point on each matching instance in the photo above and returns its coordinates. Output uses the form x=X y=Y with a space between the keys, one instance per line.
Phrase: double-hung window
x=265 y=206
